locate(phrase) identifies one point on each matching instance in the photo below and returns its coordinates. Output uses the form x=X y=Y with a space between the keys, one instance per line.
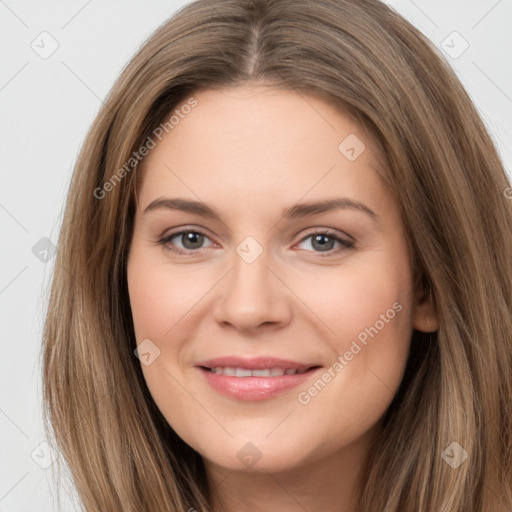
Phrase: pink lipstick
x=255 y=378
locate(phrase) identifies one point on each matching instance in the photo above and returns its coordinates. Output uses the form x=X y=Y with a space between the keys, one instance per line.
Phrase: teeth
x=261 y=373
x=240 y=372
x=245 y=372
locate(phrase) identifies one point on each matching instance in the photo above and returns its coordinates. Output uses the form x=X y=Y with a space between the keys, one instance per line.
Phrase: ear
x=424 y=311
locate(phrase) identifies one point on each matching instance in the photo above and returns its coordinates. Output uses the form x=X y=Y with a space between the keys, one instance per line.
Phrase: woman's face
x=267 y=283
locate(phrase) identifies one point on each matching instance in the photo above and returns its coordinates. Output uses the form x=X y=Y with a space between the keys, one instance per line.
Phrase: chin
x=246 y=456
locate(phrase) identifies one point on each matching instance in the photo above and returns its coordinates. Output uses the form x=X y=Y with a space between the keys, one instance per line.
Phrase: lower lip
x=254 y=388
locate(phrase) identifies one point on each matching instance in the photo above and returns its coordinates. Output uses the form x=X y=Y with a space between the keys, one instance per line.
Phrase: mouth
x=247 y=372
x=257 y=379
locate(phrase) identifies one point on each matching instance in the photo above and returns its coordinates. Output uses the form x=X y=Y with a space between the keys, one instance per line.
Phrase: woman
x=339 y=337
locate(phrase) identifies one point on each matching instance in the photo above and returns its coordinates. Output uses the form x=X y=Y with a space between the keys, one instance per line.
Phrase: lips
x=256 y=378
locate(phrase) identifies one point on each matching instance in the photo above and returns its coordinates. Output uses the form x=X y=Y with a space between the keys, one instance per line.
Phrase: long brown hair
x=452 y=188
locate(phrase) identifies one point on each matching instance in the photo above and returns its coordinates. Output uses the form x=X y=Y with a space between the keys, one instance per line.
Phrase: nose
x=253 y=297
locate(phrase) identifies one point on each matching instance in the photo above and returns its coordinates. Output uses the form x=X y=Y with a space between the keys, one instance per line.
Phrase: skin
x=251 y=151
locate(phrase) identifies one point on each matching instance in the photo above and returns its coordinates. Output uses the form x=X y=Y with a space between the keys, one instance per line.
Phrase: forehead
x=256 y=139
x=279 y=118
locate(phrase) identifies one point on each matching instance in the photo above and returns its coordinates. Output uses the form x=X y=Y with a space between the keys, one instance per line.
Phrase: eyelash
x=346 y=244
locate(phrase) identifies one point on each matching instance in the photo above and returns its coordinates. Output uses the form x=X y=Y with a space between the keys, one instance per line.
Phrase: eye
x=324 y=241
x=190 y=240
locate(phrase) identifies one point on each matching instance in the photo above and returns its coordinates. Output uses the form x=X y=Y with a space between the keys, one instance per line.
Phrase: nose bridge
x=252 y=294
x=249 y=282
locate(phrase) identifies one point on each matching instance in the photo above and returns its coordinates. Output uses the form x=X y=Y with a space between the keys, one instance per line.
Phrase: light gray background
x=46 y=108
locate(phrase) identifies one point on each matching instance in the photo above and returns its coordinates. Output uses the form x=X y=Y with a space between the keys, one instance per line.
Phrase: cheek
x=373 y=329
x=162 y=303
x=370 y=311
x=152 y=305
x=160 y=297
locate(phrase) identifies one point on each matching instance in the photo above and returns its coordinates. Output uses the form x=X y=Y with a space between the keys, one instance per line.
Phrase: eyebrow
x=292 y=212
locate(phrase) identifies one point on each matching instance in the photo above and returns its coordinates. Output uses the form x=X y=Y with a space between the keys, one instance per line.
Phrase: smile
x=259 y=378
x=246 y=372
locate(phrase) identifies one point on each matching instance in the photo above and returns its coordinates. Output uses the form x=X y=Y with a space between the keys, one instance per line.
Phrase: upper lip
x=254 y=363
